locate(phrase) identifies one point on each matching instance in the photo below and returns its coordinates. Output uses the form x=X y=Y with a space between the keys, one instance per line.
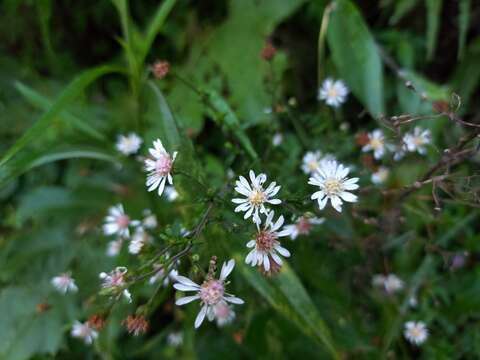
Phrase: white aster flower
x=117 y=222
x=417 y=141
x=334 y=185
x=114 y=247
x=390 y=283
x=376 y=143
x=277 y=139
x=138 y=241
x=224 y=313
x=266 y=247
x=256 y=196
x=380 y=176
x=303 y=226
x=113 y=283
x=84 y=332
x=175 y=339
x=393 y=284
x=64 y=283
x=149 y=220
x=378 y=280
x=312 y=159
x=129 y=144
x=416 y=332
x=333 y=92
x=171 y=193
x=210 y=293
x=160 y=274
x=159 y=168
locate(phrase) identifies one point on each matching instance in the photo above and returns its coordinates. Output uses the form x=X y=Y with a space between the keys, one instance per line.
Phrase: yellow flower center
x=332 y=187
x=332 y=92
x=257 y=197
x=417 y=140
x=376 y=143
x=312 y=165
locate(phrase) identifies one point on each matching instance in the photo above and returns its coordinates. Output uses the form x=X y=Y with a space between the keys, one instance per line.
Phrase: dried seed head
x=136 y=325
x=161 y=69
x=274 y=268
x=97 y=322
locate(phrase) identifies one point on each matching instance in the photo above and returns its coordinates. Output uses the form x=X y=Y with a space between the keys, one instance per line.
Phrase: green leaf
x=434 y=8
x=40 y=101
x=463 y=23
x=356 y=56
x=33 y=159
x=171 y=134
x=286 y=294
x=74 y=89
x=155 y=26
x=24 y=332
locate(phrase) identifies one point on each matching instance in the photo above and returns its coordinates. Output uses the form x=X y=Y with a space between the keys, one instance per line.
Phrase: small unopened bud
x=268 y=51
x=440 y=107
x=136 y=325
x=292 y=101
x=161 y=69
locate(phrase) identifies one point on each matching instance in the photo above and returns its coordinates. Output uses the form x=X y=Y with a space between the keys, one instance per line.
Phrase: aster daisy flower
x=210 y=293
x=333 y=92
x=114 y=247
x=390 y=283
x=417 y=140
x=159 y=168
x=160 y=274
x=84 y=331
x=117 y=222
x=303 y=226
x=224 y=314
x=129 y=144
x=416 y=332
x=277 y=139
x=175 y=339
x=312 y=159
x=256 y=196
x=376 y=143
x=139 y=239
x=113 y=283
x=149 y=219
x=171 y=193
x=380 y=176
x=334 y=185
x=64 y=283
x=266 y=247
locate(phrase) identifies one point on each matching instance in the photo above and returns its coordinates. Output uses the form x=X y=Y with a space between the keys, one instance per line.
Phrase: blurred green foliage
x=74 y=75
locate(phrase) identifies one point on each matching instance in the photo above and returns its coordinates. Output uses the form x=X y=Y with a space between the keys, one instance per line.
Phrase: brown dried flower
x=136 y=325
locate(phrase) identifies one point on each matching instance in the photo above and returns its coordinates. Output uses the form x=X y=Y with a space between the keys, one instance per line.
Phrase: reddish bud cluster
x=268 y=51
x=161 y=69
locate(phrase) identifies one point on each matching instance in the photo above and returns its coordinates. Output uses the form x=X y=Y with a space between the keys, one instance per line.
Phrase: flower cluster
x=211 y=293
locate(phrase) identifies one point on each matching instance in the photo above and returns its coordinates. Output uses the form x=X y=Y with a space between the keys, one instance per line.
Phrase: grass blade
x=434 y=9
x=40 y=101
x=68 y=95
